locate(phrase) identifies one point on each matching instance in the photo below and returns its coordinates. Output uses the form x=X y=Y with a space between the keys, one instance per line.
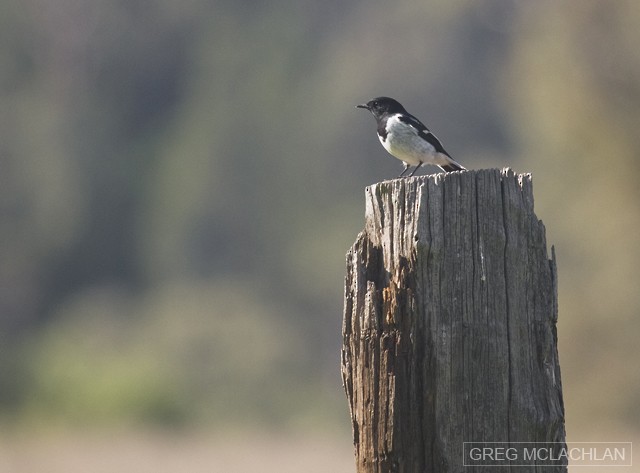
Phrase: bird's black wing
x=423 y=132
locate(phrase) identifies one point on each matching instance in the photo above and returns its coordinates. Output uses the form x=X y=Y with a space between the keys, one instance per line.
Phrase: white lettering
x=475 y=454
x=620 y=454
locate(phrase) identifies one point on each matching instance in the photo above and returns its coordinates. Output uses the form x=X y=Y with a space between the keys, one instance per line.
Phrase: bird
x=407 y=138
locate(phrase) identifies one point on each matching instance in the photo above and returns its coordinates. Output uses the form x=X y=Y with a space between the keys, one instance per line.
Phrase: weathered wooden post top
x=449 y=332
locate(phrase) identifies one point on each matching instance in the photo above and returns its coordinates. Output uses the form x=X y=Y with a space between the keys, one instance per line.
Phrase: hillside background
x=180 y=181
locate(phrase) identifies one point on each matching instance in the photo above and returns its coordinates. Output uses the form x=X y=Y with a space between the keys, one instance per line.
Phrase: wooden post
x=449 y=331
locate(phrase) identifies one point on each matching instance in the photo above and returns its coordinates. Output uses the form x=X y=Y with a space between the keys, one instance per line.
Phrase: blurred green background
x=180 y=181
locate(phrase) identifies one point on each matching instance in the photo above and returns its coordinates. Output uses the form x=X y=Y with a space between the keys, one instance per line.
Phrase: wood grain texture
x=449 y=330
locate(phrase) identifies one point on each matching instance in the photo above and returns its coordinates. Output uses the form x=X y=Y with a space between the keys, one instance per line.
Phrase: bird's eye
x=375 y=104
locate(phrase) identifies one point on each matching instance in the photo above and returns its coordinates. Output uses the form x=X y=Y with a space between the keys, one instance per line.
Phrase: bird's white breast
x=403 y=142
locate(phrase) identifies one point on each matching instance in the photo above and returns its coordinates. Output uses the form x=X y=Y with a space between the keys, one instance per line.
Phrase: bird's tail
x=452 y=166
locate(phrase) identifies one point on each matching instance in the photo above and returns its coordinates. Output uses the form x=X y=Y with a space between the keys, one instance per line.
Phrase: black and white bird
x=406 y=138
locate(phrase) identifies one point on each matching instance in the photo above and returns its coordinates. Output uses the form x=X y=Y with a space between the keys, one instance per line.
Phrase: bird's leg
x=406 y=167
x=414 y=171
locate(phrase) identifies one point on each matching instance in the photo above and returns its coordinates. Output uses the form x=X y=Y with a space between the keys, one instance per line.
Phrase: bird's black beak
x=363 y=105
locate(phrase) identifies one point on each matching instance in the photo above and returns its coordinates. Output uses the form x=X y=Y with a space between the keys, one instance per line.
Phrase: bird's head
x=383 y=106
